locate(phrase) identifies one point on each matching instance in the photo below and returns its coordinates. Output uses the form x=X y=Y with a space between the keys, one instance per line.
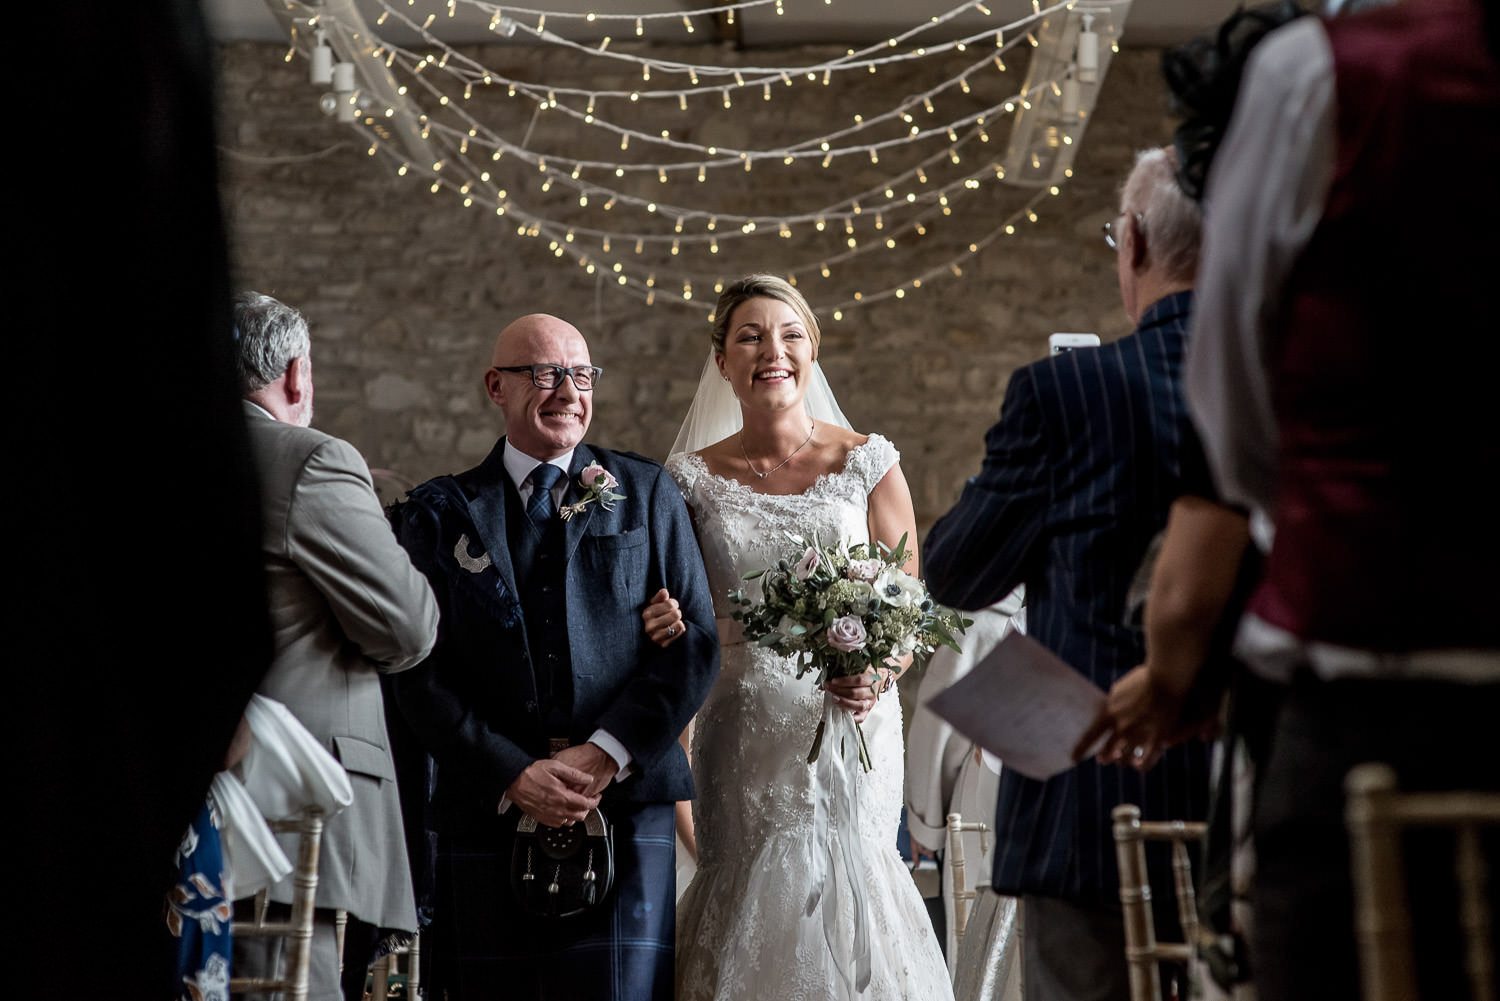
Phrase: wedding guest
x=346 y=607
x=1201 y=574
x=1077 y=479
x=1350 y=206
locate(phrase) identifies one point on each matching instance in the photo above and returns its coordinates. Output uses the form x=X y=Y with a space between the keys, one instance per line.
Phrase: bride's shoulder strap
x=872 y=460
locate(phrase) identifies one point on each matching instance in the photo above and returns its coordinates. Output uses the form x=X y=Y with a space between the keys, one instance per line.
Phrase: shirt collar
x=257 y=406
x=518 y=465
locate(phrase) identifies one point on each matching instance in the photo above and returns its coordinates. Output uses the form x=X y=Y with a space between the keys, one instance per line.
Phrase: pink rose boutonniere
x=599 y=484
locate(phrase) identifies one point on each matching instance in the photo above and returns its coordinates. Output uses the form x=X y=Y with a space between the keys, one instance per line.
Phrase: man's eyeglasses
x=551 y=376
x=1110 y=239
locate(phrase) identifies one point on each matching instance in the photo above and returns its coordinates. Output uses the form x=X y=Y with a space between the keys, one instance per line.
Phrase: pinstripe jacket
x=1077 y=479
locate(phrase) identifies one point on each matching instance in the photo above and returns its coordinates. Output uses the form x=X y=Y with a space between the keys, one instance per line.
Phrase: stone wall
x=405 y=291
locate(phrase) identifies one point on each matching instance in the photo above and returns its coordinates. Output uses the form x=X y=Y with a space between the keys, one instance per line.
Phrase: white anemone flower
x=898 y=588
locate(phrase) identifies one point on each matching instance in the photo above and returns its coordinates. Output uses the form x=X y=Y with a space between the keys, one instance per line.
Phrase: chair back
x=962 y=897
x=1376 y=813
x=386 y=969
x=298 y=929
x=1142 y=951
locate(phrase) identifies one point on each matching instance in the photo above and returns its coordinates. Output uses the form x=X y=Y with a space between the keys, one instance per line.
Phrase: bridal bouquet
x=842 y=611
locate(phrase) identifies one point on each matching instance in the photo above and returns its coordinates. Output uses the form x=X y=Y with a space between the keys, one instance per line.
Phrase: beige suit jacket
x=346 y=605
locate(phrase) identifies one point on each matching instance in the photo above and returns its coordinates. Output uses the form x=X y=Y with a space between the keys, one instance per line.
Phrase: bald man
x=544 y=698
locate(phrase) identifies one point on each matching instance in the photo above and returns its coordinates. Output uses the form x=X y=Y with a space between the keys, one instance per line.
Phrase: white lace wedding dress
x=741 y=927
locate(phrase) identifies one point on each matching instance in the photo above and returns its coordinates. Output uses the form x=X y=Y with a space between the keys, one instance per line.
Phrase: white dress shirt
x=1265 y=198
x=518 y=466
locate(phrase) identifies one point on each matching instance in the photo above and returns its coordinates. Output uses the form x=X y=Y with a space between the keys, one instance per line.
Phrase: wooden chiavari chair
x=298 y=929
x=1376 y=813
x=962 y=897
x=1142 y=950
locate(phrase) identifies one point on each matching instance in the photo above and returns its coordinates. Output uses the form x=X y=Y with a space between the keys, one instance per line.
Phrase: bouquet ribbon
x=834 y=802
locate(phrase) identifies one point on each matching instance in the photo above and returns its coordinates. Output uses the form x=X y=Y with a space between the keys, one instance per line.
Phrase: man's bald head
x=523 y=337
x=543 y=423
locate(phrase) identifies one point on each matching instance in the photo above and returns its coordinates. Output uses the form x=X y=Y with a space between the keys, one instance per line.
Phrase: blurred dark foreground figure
x=139 y=612
x=1350 y=210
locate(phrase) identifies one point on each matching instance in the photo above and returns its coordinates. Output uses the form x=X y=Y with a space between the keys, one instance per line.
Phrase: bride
x=766 y=451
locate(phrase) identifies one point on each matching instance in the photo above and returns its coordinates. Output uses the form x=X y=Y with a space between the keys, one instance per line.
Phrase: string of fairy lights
x=575 y=165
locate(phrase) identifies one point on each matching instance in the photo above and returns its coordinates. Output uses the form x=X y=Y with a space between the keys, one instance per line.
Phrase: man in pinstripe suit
x=1077 y=479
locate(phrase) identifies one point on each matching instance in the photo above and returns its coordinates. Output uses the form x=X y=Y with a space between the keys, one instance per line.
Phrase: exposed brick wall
x=406 y=291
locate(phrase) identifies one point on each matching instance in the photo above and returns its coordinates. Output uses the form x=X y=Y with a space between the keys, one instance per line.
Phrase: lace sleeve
x=684 y=469
x=871 y=461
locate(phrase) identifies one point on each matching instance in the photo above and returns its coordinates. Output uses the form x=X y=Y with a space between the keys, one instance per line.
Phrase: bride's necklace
x=778 y=465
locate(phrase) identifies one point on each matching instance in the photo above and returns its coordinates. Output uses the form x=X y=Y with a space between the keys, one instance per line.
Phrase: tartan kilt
x=482 y=945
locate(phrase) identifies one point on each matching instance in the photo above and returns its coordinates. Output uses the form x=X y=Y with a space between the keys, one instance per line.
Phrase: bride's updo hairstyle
x=762 y=287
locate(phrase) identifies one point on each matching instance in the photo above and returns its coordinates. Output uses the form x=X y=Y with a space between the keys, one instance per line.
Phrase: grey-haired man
x=346 y=606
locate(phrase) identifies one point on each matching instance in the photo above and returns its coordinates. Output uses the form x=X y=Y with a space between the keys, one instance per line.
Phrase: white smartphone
x=1067 y=342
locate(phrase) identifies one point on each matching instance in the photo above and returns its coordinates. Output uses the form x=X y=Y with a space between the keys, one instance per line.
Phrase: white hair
x=1172 y=222
x=269 y=335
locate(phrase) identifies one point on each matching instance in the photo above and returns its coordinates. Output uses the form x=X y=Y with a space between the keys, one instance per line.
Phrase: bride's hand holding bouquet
x=843 y=614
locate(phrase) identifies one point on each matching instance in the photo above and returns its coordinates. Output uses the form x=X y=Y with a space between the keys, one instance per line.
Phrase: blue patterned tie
x=539 y=507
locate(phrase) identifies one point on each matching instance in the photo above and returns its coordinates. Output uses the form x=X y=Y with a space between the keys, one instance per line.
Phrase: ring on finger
x=671 y=630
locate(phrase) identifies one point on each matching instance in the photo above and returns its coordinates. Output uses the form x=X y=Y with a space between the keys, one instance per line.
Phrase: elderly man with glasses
x=1091 y=449
x=544 y=699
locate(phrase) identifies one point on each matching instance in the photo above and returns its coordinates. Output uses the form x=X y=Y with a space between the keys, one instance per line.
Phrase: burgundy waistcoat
x=1386 y=366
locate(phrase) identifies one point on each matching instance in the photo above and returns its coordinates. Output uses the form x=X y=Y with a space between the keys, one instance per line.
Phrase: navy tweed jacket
x=1077 y=479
